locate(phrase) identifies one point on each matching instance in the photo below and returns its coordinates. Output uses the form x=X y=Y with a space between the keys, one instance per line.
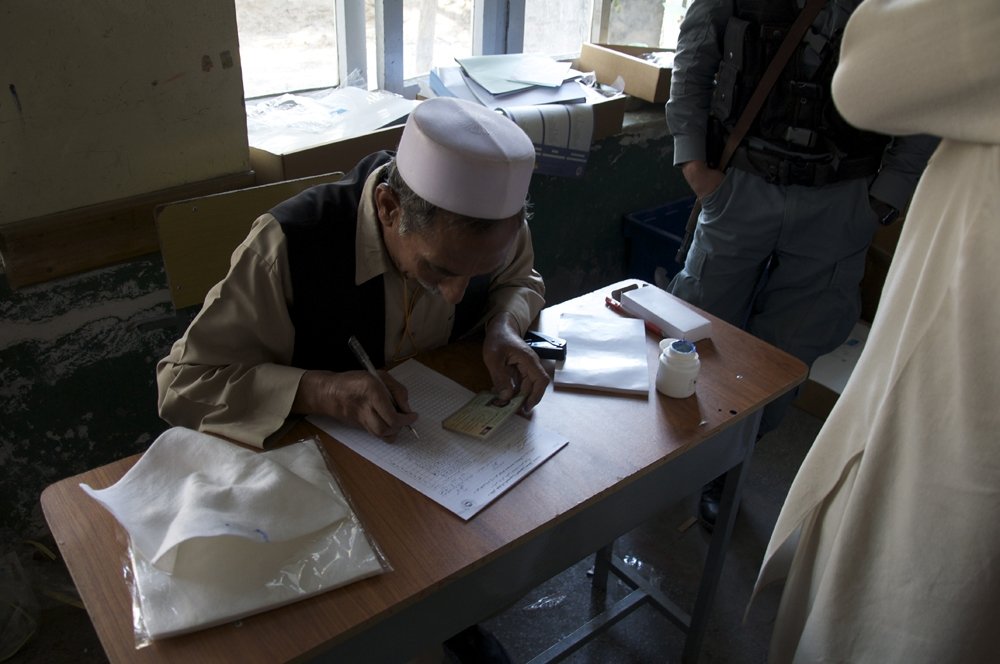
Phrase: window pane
x=435 y=32
x=287 y=45
x=673 y=14
x=646 y=22
x=556 y=27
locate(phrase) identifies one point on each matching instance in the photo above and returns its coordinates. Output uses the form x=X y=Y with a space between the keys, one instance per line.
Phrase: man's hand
x=355 y=398
x=513 y=366
x=702 y=179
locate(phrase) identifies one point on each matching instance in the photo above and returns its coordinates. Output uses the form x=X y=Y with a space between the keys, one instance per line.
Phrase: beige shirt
x=230 y=373
x=889 y=540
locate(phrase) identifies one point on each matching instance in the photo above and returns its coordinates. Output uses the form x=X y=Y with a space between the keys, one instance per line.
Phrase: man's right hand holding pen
x=356 y=398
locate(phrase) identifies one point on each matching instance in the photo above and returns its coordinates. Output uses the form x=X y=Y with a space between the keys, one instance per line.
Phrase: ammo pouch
x=726 y=104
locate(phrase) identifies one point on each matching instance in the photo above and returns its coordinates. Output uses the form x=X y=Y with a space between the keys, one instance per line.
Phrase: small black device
x=885 y=212
x=546 y=347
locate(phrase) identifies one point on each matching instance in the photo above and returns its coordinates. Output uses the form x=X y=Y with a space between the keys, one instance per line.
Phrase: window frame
x=497 y=28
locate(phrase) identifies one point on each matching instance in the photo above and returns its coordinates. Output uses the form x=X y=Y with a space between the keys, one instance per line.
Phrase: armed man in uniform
x=780 y=244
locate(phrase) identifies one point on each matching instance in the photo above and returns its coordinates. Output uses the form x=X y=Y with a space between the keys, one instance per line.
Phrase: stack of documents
x=503 y=74
x=603 y=353
x=543 y=96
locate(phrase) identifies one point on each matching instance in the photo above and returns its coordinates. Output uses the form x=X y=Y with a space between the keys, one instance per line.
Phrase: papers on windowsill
x=461 y=473
x=503 y=74
x=294 y=122
x=603 y=353
x=453 y=82
x=555 y=116
x=570 y=92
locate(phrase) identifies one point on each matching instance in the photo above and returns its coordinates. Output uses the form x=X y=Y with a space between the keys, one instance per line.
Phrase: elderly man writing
x=406 y=252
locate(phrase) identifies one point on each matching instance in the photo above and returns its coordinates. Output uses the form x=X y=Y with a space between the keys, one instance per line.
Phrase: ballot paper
x=218 y=532
x=461 y=473
x=603 y=353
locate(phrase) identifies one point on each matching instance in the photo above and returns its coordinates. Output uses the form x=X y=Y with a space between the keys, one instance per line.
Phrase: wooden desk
x=628 y=458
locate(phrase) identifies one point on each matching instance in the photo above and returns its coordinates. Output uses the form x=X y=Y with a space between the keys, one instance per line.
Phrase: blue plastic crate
x=654 y=236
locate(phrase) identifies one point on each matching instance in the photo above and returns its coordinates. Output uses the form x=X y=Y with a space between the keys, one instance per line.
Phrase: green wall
x=77 y=355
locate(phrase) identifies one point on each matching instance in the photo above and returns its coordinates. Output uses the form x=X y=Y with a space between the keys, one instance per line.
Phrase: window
x=435 y=32
x=557 y=27
x=645 y=22
x=287 y=45
x=291 y=45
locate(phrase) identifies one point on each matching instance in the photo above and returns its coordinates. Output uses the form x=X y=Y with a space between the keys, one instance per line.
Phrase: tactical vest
x=320 y=225
x=798 y=117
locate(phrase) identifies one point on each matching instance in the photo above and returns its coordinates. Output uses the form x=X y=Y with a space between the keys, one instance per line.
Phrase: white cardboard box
x=675 y=318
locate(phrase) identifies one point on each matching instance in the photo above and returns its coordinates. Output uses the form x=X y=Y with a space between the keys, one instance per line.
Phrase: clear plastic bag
x=292 y=122
x=205 y=581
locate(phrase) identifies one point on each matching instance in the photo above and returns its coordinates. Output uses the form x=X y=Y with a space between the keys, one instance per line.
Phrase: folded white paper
x=671 y=314
x=218 y=532
x=603 y=353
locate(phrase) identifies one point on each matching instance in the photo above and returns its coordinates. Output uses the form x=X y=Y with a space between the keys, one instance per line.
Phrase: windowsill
x=643 y=115
x=57 y=245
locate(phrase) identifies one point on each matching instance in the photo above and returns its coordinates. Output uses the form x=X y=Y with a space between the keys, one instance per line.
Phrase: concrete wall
x=151 y=91
x=77 y=355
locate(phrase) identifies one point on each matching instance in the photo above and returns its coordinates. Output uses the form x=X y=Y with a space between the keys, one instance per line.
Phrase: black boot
x=708 y=506
x=474 y=645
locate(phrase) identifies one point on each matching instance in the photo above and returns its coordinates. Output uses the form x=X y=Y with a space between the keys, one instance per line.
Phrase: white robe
x=889 y=539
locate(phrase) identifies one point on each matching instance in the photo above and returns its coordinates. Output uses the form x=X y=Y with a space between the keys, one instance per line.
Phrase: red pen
x=616 y=307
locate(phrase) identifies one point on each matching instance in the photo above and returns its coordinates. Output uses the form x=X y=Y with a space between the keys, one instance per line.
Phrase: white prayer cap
x=465 y=158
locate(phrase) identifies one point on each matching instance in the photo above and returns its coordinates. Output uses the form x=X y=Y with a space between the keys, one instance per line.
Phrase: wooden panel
x=198 y=235
x=44 y=248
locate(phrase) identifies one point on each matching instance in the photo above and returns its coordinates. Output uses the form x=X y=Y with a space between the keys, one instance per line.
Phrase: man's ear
x=387 y=205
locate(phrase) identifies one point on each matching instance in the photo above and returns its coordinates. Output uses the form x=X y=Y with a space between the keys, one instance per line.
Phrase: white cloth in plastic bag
x=218 y=532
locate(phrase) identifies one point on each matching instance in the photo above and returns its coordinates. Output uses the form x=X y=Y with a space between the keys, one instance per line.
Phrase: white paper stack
x=603 y=353
x=672 y=315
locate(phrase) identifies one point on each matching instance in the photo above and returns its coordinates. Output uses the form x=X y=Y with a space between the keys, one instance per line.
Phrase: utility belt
x=808 y=172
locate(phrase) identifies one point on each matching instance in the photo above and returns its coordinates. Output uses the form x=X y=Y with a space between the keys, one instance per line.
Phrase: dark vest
x=320 y=225
x=798 y=115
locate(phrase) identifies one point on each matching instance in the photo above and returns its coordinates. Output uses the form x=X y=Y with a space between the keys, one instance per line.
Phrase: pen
x=619 y=309
x=362 y=356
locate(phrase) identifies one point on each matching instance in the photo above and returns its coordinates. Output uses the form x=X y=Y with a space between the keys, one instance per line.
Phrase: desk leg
x=602 y=565
x=731 y=493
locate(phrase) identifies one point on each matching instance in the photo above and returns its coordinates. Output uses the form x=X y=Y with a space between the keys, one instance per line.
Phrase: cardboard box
x=342 y=155
x=643 y=79
x=609 y=114
x=829 y=374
